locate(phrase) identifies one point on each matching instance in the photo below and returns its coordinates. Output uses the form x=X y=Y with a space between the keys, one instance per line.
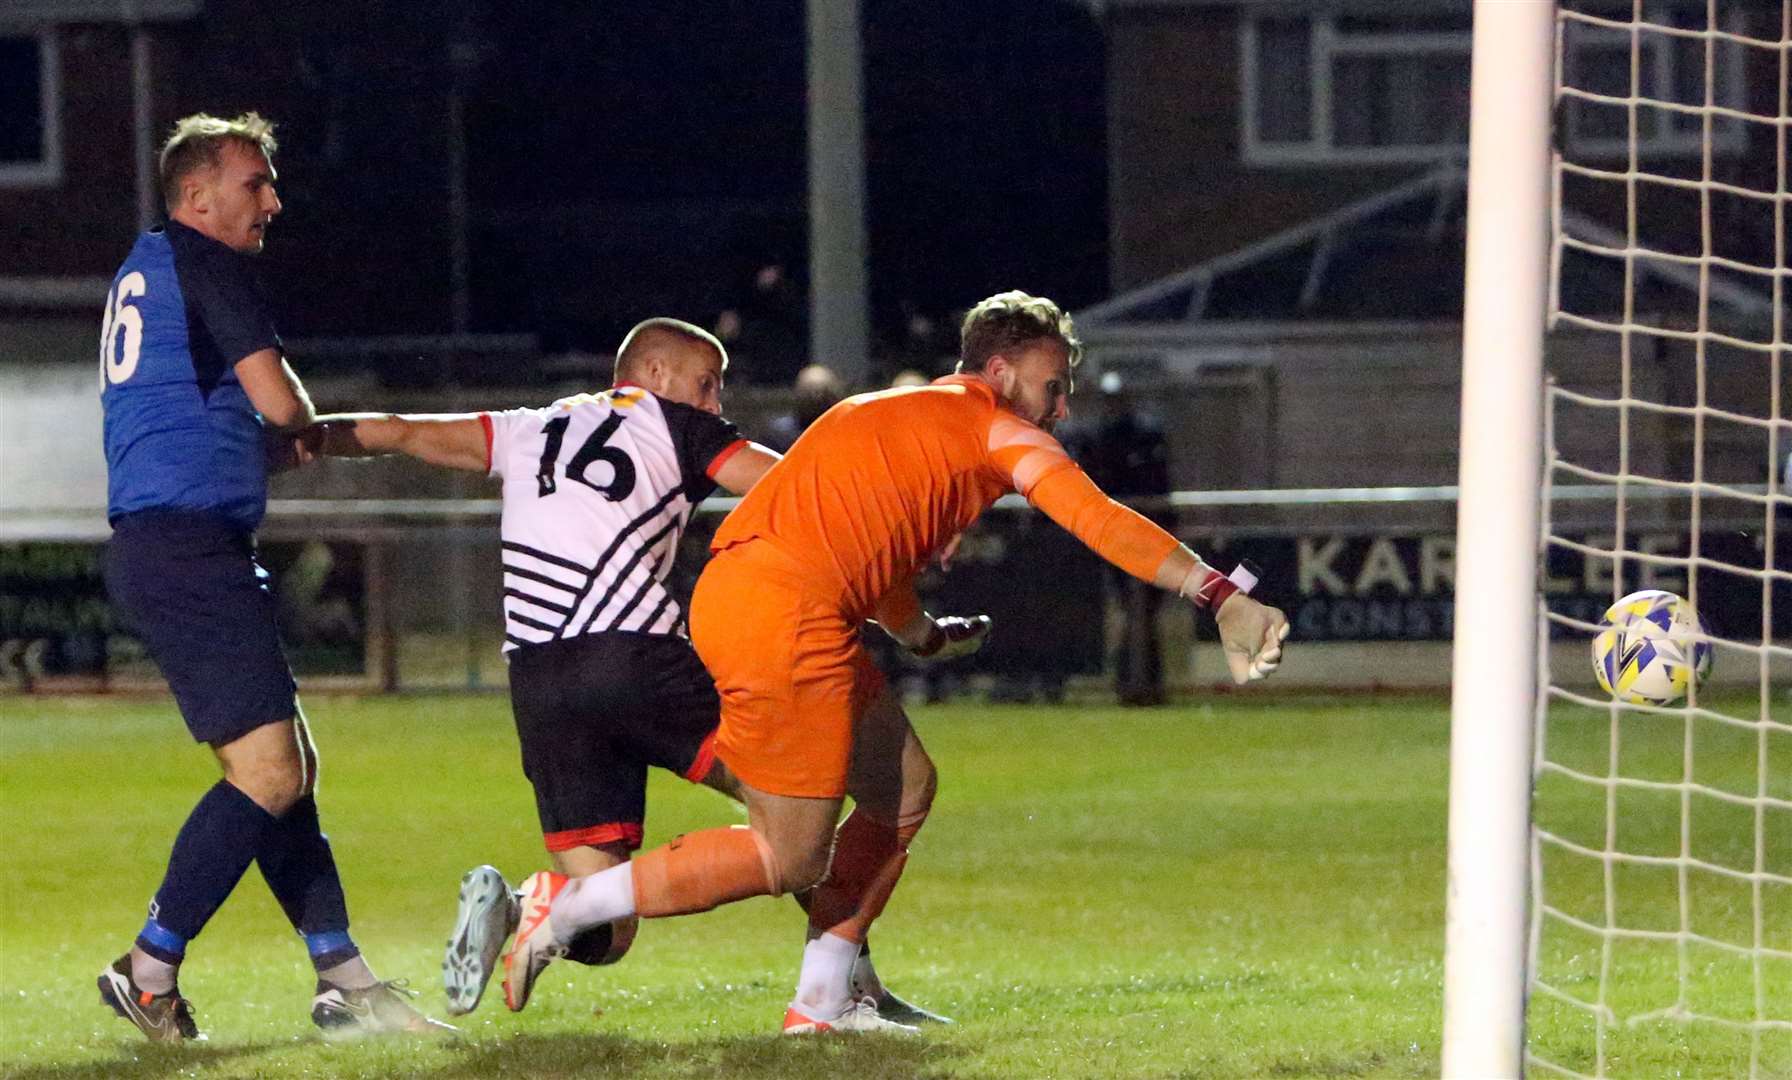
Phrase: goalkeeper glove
x=1252 y=636
x=954 y=636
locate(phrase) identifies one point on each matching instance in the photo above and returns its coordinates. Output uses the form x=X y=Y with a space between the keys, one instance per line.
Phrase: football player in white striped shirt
x=597 y=490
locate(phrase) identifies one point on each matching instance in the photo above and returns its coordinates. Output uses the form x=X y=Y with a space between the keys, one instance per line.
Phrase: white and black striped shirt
x=597 y=491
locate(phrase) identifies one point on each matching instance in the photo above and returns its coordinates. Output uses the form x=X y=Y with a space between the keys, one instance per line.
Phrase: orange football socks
x=868 y=859
x=700 y=870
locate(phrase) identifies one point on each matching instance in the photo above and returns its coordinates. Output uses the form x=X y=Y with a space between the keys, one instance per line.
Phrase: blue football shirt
x=180 y=432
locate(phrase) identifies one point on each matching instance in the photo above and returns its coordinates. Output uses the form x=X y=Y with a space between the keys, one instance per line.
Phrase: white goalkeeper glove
x=954 y=636
x=1251 y=634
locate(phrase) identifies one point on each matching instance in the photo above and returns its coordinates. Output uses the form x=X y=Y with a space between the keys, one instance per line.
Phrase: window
x=1337 y=89
x=1596 y=59
x=30 y=109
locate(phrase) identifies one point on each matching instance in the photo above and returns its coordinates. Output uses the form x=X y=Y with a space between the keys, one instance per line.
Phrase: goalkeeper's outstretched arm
x=1251 y=633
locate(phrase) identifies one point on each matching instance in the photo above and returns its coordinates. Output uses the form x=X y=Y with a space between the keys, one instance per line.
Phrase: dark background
x=622 y=157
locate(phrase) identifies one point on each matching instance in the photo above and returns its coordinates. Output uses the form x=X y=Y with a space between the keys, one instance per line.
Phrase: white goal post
x=1620 y=872
x=1493 y=667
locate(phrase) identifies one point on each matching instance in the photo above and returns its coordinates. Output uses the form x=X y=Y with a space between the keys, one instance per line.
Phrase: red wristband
x=1213 y=590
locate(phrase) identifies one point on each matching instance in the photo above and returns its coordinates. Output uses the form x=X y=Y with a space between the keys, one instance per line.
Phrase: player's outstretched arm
x=1251 y=633
x=454 y=441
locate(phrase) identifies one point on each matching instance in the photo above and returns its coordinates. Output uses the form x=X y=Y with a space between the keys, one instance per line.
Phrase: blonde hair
x=635 y=343
x=1009 y=320
x=197 y=143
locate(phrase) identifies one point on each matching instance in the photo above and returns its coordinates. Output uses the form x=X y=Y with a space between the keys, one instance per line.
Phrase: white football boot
x=534 y=948
x=860 y=1015
x=380 y=1009
x=486 y=917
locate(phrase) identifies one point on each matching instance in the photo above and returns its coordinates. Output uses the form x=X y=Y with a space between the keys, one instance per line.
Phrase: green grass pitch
x=1251 y=885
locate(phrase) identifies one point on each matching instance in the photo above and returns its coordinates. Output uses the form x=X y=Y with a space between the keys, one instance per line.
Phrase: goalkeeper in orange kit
x=830 y=536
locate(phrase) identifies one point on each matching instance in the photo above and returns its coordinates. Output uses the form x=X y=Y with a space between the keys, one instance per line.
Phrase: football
x=1650 y=648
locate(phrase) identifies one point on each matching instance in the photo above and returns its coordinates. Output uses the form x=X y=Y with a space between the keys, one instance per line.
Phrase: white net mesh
x=1662 y=880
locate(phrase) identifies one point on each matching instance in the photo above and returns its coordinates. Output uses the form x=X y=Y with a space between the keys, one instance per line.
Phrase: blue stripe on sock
x=327 y=942
x=163 y=938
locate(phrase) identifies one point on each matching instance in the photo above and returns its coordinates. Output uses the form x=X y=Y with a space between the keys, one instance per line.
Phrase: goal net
x=1661 y=858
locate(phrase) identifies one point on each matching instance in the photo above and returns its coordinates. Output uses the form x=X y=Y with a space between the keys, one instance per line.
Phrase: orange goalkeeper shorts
x=789 y=667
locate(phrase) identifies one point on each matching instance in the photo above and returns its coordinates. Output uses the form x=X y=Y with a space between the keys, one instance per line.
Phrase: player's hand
x=289 y=451
x=308 y=444
x=955 y=636
x=1251 y=634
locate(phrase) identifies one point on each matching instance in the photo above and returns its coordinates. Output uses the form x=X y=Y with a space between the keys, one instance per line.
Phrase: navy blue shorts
x=189 y=587
x=593 y=713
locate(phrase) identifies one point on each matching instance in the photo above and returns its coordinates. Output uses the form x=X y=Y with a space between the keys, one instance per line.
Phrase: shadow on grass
x=861 y=1057
x=147 y=1060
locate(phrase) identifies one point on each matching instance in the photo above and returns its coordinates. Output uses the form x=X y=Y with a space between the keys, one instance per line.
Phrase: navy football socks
x=295 y=858
x=212 y=850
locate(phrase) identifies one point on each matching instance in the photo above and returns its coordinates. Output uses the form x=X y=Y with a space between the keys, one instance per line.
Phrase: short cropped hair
x=1010 y=320
x=197 y=143
x=635 y=343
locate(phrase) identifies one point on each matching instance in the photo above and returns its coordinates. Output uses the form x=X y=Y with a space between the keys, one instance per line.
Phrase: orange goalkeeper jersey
x=882 y=481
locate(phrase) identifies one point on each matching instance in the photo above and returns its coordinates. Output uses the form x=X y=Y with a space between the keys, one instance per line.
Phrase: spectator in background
x=817 y=388
x=915 y=347
x=766 y=328
x=1126 y=454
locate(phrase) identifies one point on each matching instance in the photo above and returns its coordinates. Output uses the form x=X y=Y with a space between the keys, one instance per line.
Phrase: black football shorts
x=593 y=712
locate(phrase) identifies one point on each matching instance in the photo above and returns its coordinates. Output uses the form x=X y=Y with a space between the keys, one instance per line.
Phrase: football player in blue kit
x=199 y=404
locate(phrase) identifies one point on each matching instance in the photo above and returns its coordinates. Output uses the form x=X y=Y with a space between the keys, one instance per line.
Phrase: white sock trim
x=593 y=900
x=824 y=988
x=155 y=976
x=351 y=974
